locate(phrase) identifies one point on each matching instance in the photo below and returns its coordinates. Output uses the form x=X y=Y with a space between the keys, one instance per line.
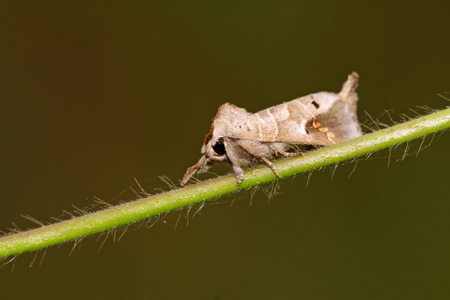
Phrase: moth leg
x=291 y=154
x=198 y=167
x=238 y=173
x=237 y=157
x=261 y=157
x=270 y=164
x=277 y=148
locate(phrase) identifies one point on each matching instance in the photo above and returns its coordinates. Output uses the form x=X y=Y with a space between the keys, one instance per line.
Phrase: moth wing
x=311 y=120
x=341 y=121
x=325 y=119
x=229 y=122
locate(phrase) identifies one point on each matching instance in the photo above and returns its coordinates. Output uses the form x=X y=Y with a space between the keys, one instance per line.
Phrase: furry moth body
x=240 y=137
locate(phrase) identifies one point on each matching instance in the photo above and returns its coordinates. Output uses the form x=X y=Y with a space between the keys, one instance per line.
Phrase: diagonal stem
x=127 y=213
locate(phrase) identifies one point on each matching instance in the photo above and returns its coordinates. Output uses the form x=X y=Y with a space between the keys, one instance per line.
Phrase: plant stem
x=154 y=205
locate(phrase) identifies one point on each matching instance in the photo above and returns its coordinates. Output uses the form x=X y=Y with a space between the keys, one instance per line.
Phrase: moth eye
x=219 y=147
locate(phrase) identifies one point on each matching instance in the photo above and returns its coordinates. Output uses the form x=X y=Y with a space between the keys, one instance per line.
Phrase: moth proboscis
x=240 y=137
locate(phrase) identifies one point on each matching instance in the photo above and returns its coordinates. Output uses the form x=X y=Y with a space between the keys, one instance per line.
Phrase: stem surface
x=157 y=204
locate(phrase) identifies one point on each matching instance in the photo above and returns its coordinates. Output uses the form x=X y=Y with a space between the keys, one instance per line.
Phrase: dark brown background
x=95 y=93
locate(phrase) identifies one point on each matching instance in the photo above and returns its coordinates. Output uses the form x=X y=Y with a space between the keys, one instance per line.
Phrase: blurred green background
x=95 y=93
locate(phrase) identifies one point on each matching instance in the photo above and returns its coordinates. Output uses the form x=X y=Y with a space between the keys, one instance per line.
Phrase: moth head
x=213 y=149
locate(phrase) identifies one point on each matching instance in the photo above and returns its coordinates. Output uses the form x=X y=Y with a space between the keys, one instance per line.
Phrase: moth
x=241 y=138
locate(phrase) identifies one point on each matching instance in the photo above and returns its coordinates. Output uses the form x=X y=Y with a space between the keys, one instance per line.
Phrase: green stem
x=154 y=205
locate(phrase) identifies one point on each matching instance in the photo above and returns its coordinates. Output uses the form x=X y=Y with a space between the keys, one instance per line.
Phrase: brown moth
x=240 y=137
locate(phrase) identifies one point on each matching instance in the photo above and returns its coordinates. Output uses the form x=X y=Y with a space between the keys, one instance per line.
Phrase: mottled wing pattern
x=293 y=122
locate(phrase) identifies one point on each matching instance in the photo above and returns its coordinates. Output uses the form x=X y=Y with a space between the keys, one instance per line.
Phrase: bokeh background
x=96 y=93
